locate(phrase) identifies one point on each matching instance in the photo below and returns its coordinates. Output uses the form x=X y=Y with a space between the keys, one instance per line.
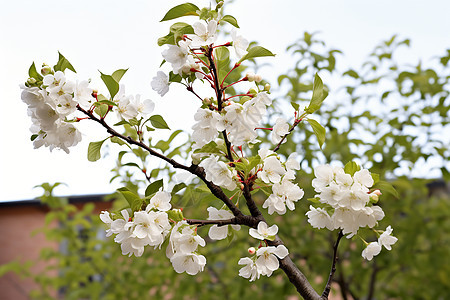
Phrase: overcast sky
x=108 y=35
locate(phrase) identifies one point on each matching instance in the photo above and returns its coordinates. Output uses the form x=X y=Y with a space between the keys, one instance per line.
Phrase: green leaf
x=375 y=177
x=33 y=137
x=133 y=199
x=319 y=94
x=123 y=122
x=178 y=187
x=351 y=73
x=177 y=30
x=63 y=64
x=158 y=122
x=153 y=187
x=256 y=51
x=118 y=74
x=107 y=102
x=351 y=168
x=185 y=9
x=101 y=110
x=132 y=164
x=111 y=84
x=174 y=77
x=386 y=187
x=230 y=19
x=319 y=131
x=295 y=105
x=117 y=140
x=33 y=73
x=94 y=150
x=211 y=147
x=222 y=55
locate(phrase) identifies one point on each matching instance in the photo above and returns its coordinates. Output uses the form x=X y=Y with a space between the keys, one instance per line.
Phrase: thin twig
x=327 y=289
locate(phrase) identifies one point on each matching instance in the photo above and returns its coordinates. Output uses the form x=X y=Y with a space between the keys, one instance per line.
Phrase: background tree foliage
x=386 y=116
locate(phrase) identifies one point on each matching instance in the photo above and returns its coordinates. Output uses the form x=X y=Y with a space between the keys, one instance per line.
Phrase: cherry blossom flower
x=279 y=130
x=160 y=83
x=372 y=249
x=386 y=239
x=264 y=232
x=240 y=44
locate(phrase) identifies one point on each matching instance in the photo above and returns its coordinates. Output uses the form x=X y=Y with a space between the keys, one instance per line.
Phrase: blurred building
x=21 y=241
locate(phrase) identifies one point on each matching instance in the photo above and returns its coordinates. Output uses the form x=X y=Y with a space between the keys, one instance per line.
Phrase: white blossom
x=264 y=232
x=386 y=239
x=372 y=249
x=279 y=130
x=160 y=83
x=240 y=44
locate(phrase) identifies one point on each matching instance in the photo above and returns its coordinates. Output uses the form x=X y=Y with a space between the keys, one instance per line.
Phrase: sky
x=108 y=35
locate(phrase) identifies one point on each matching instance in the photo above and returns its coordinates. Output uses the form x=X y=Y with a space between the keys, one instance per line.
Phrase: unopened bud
x=245 y=99
x=252 y=92
x=219 y=5
x=250 y=76
x=46 y=69
x=258 y=78
x=207 y=101
x=251 y=250
x=267 y=87
x=374 y=196
x=31 y=81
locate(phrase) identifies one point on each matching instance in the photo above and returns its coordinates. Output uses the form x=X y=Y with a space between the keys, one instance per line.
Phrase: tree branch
x=373 y=278
x=241 y=220
x=327 y=289
x=296 y=122
x=193 y=169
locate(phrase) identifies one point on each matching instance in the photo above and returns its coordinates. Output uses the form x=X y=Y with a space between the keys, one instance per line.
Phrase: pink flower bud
x=252 y=250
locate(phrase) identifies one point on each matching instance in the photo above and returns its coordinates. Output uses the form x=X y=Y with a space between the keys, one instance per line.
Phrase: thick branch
x=327 y=289
x=295 y=276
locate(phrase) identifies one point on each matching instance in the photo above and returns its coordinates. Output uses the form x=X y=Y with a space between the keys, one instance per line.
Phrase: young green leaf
x=133 y=199
x=177 y=30
x=118 y=74
x=101 y=110
x=319 y=94
x=153 y=187
x=178 y=187
x=63 y=64
x=351 y=168
x=158 y=122
x=256 y=51
x=230 y=19
x=94 y=150
x=111 y=84
x=185 y=9
x=33 y=73
x=319 y=131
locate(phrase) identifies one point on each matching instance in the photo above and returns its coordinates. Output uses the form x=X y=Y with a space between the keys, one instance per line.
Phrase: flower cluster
x=238 y=120
x=347 y=199
x=264 y=260
x=129 y=107
x=50 y=106
x=182 y=249
x=374 y=248
x=284 y=192
x=149 y=227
